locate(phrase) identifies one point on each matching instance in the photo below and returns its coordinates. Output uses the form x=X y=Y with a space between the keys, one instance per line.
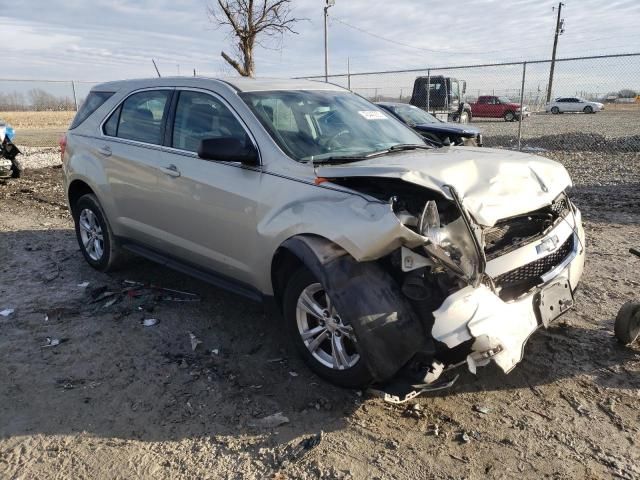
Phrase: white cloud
x=108 y=39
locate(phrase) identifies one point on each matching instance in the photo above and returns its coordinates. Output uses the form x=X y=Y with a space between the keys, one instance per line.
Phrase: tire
x=627 y=326
x=509 y=116
x=588 y=109
x=555 y=110
x=353 y=373
x=93 y=230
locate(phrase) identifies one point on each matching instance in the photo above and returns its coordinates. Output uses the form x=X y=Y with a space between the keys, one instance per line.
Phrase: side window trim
x=121 y=103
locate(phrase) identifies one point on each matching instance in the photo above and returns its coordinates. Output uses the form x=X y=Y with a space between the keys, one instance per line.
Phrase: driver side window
x=201 y=116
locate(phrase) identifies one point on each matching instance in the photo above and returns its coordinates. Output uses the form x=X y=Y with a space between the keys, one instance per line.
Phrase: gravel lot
x=119 y=400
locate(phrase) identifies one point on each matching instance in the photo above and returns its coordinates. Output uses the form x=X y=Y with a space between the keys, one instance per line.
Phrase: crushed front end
x=480 y=291
x=483 y=291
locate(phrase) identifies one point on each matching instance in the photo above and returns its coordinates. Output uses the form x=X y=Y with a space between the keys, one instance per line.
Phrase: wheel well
x=76 y=190
x=283 y=265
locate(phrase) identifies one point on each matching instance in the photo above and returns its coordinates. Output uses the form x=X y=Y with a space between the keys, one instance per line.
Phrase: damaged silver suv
x=381 y=252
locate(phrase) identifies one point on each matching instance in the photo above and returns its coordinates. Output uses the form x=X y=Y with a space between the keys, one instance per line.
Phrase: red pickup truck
x=491 y=106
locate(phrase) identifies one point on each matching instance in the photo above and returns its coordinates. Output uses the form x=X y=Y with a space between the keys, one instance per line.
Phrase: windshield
x=316 y=125
x=414 y=115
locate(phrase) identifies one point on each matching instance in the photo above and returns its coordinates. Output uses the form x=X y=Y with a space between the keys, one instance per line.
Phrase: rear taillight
x=63 y=146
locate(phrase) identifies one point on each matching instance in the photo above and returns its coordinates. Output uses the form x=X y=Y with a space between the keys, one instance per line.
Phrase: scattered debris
x=481 y=409
x=150 y=322
x=293 y=374
x=195 y=341
x=6 y=312
x=463 y=437
x=110 y=302
x=53 y=342
x=434 y=430
x=460 y=459
x=83 y=284
x=401 y=391
x=576 y=404
x=270 y=421
x=275 y=360
x=215 y=351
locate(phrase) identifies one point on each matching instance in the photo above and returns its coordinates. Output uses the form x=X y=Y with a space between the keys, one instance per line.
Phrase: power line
x=380 y=37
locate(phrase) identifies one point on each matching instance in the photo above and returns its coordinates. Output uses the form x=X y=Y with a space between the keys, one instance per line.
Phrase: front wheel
x=588 y=109
x=324 y=339
x=555 y=110
x=509 y=117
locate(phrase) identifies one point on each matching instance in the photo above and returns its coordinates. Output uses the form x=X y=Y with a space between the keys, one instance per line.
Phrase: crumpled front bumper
x=500 y=329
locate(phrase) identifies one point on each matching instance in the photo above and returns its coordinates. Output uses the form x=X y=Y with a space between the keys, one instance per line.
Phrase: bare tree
x=249 y=21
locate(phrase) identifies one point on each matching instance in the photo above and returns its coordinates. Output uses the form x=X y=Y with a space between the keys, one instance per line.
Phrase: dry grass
x=35 y=120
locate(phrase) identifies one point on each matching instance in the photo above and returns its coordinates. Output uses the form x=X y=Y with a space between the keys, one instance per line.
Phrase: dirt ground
x=116 y=399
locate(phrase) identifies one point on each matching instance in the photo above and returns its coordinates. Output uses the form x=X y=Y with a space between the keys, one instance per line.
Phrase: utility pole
x=327 y=6
x=559 y=31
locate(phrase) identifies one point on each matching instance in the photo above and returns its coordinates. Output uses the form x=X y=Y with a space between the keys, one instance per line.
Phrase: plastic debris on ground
x=53 y=342
x=136 y=296
x=270 y=421
x=195 y=341
x=150 y=322
x=83 y=285
x=481 y=409
x=399 y=390
x=6 y=312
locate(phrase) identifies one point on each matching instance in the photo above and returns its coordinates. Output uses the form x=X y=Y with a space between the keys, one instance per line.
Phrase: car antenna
x=156 y=67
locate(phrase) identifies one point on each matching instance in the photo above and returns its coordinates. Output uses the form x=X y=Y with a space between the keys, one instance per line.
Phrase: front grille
x=510 y=234
x=531 y=273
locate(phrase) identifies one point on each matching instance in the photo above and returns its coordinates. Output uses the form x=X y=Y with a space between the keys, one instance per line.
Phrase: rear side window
x=93 y=101
x=140 y=117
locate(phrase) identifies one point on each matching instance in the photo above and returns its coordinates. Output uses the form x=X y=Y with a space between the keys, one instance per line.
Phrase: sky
x=99 y=40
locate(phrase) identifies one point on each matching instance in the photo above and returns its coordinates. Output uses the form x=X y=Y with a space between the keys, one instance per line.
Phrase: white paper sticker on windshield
x=373 y=115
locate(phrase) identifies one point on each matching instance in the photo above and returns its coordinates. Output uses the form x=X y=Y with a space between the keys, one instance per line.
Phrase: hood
x=493 y=184
x=447 y=128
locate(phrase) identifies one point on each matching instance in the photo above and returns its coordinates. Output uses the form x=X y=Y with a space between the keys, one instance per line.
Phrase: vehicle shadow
x=112 y=377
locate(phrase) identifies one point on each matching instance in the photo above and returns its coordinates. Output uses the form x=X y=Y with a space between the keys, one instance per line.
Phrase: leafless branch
x=249 y=20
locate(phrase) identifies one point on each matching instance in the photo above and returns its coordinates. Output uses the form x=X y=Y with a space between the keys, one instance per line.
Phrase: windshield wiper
x=355 y=158
x=408 y=146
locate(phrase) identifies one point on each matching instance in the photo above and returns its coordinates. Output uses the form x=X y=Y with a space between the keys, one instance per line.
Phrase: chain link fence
x=494 y=94
x=41 y=110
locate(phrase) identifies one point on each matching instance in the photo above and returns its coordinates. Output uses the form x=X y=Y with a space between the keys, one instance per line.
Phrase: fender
x=388 y=330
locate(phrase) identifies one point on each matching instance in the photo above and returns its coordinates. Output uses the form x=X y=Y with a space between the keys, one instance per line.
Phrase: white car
x=573 y=104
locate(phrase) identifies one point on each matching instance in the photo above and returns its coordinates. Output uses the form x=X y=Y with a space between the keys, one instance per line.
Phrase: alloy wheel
x=91 y=234
x=328 y=339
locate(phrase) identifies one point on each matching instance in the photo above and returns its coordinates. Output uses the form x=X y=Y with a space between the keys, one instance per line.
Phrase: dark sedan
x=434 y=130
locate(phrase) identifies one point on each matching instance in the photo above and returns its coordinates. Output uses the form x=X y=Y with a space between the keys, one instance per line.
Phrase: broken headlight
x=451 y=244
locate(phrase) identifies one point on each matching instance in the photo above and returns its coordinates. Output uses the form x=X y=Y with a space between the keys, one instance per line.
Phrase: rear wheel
x=588 y=109
x=509 y=116
x=96 y=240
x=555 y=110
x=323 y=338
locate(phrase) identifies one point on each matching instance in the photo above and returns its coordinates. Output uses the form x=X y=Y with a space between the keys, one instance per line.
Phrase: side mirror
x=228 y=149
